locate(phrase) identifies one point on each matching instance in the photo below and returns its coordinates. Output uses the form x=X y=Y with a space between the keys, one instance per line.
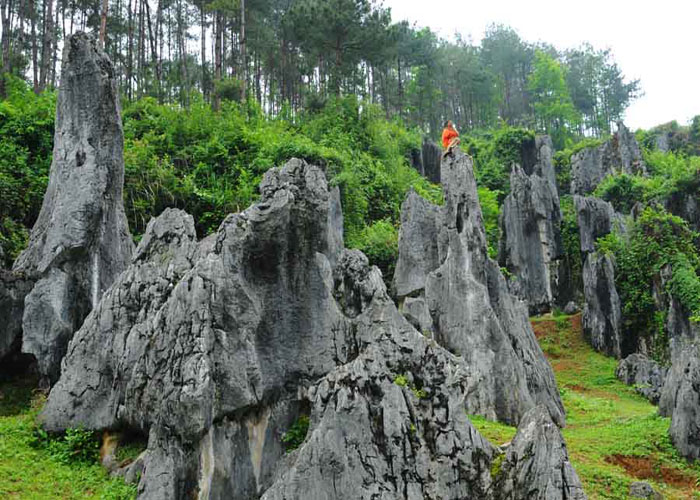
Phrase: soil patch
x=544 y=328
x=648 y=468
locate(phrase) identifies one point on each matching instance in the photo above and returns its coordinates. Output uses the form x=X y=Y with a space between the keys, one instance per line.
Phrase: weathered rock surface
x=13 y=289
x=680 y=400
x=214 y=351
x=427 y=160
x=81 y=241
x=473 y=314
x=596 y=218
x=642 y=489
x=418 y=244
x=602 y=311
x=530 y=246
x=621 y=154
x=645 y=374
x=537 y=463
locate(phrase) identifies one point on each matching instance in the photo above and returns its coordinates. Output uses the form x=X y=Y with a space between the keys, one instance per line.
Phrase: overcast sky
x=657 y=42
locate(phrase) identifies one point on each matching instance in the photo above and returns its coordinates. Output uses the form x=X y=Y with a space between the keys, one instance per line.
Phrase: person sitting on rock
x=450 y=137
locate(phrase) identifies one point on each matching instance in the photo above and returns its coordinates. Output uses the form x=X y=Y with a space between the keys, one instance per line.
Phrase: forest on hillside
x=292 y=55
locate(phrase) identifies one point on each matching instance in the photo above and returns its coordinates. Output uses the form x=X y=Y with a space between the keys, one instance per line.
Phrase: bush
x=296 y=434
x=75 y=445
x=655 y=240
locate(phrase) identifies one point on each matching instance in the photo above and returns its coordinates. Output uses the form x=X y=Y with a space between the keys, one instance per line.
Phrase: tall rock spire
x=81 y=240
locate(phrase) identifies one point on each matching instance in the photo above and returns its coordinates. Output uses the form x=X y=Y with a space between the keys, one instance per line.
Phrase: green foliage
x=48 y=467
x=623 y=191
x=554 y=109
x=26 y=140
x=129 y=449
x=571 y=241
x=605 y=417
x=494 y=153
x=655 y=240
x=380 y=243
x=490 y=209
x=496 y=465
x=401 y=380
x=75 y=445
x=296 y=434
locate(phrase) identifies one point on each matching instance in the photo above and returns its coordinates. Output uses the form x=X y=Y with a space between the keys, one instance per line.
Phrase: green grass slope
x=33 y=466
x=614 y=436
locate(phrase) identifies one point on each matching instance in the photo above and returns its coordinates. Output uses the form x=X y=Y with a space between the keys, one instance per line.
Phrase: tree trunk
x=46 y=46
x=103 y=22
x=244 y=62
x=216 y=103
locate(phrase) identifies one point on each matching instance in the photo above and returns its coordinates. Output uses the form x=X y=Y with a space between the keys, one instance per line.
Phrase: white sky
x=657 y=42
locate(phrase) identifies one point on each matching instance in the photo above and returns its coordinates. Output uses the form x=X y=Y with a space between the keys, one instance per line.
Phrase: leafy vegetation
x=613 y=435
x=655 y=240
x=33 y=466
x=296 y=434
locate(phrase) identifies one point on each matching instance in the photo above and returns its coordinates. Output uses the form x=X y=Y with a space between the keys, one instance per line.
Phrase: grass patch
x=32 y=470
x=614 y=436
x=496 y=432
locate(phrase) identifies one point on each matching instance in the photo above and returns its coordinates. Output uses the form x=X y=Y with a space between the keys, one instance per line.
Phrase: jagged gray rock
x=642 y=489
x=680 y=400
x=537 y=463
x=602 y=311
x=620 y=154
x=596 y=218
x=646 y=375
x=531 y=247
x=13 y=290
x=473 y=314
x=81 y=241
x=215 y=349
x=418 y=244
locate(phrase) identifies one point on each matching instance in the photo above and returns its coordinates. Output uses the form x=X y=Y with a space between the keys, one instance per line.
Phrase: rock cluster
x=680 y=400
x=602 y=312
x=621 y=154
x=530 y=247
x=215 y=349
x=453 y=291
x=646 y=375
x=81 y=241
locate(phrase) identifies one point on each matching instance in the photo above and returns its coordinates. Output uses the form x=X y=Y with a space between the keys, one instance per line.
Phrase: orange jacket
x=447 y=135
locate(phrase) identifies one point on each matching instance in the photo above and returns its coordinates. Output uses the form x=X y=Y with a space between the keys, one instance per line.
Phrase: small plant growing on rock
x=296 y=434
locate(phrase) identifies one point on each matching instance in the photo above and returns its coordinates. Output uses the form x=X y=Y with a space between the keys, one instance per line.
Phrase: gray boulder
x=680 y=400
x=215 y=350
x=536 y=464
x=473 y=314
x=531 y=247
x=642 y=489
x=13 y=289
x=571 y=308
x=645 y=374
x=80 y=242
x=602 y=312
x=620 y=154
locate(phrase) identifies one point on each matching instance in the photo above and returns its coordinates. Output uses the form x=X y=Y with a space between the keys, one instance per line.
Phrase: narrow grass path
x=31 y=469
x=614 y=436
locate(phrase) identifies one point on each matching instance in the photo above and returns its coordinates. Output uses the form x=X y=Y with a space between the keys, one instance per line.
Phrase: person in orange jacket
x=450 y=137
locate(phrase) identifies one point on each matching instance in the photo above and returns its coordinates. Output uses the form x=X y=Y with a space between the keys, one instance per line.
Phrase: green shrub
x=296 y=434
x=75 y=445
